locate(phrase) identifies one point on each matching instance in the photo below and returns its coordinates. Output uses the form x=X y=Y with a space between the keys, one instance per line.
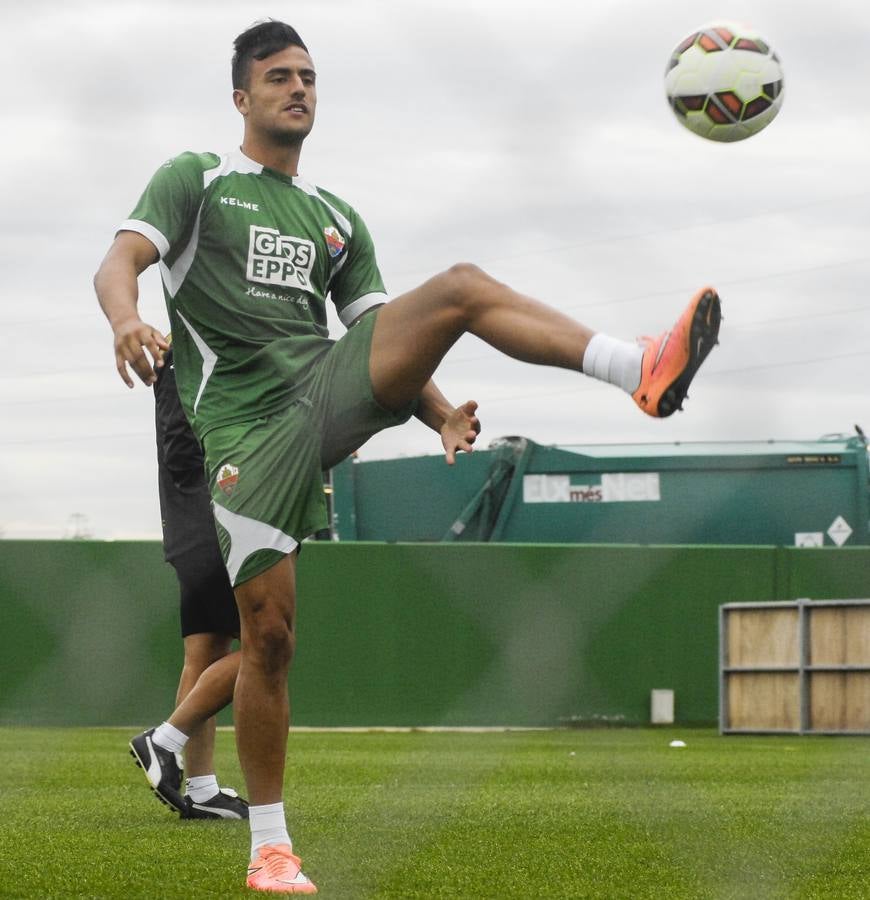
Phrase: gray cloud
x=532 y=139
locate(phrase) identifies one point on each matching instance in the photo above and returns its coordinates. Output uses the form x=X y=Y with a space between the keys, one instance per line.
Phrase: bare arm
x=458 y=426
x=117 y=287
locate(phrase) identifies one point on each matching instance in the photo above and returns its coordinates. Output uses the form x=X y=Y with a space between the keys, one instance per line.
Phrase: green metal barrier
x=782 y=493
x=407 y=634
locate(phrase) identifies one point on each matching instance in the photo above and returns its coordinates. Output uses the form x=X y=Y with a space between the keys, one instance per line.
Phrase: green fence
x=408 y=634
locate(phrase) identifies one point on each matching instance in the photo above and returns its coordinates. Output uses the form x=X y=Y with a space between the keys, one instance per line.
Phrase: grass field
x=573 y=814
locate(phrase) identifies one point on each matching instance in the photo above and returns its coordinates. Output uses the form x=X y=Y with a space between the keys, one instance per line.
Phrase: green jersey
x=248 y=257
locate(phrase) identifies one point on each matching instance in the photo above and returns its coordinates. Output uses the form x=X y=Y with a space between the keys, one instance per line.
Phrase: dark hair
x=259 y=41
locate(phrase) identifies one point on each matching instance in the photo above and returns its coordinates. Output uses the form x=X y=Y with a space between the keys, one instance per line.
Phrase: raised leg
x=414 y=331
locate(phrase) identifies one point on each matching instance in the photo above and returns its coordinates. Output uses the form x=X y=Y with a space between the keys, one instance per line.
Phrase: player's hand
x=460 y=430
x=132 y=338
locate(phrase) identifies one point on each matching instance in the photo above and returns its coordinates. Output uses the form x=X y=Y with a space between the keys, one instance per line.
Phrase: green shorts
x=265 y=475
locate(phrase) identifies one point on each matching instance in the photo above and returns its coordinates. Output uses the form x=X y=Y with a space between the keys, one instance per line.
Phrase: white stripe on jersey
x=238 y=162
x=335 y=271
x=359 y=306
x=173 y=278
x=148 y=231
x=308 y=188
x=247 y=536
x=209 y=359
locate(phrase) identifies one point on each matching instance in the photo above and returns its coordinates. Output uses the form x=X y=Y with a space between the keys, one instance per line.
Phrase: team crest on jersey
x=334 y=241
x=228 y=478
x=280 y=259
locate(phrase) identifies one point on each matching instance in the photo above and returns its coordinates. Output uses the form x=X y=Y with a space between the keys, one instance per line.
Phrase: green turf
x=603 y=814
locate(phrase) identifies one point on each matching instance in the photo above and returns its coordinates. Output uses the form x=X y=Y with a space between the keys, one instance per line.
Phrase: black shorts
x=190 y=541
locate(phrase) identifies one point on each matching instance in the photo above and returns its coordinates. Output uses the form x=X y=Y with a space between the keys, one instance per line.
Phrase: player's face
x=281 y=97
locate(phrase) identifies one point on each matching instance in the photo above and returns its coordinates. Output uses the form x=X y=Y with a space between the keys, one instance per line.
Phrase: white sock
x=202 y=787
x=169 y=738
x=268 y=826
x=614 y=361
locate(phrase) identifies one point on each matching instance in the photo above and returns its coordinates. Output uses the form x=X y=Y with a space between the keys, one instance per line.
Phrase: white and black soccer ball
x=724 y=82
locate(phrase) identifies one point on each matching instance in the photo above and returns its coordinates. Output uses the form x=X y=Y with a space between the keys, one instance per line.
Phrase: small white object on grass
x=677 y=744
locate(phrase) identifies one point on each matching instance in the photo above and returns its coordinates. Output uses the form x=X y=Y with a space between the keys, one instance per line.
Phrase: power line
x=759 y=323
x=803 y=270
x=64 y=317
x=37 y=373
x=563 y=248
x=592 y=385
x=581 y=387
x=613 y=239
x=71 y=398
x=78 y=439
x=779 y=320
x=770 y=276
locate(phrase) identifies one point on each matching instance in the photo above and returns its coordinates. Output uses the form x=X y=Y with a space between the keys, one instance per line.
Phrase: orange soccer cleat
x=277 y=870
x=671 y=360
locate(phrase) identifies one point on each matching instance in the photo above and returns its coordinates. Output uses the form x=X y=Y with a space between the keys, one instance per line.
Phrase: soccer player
x=209 y=623
x=249 y=252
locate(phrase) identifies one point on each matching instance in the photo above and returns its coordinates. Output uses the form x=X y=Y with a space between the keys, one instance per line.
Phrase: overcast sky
x=531 y=138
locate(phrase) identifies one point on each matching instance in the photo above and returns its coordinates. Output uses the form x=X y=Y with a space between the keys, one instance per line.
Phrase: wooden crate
x=798 y=667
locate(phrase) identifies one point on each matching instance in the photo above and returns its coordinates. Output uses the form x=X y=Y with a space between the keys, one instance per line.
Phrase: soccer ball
x=724 y=82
